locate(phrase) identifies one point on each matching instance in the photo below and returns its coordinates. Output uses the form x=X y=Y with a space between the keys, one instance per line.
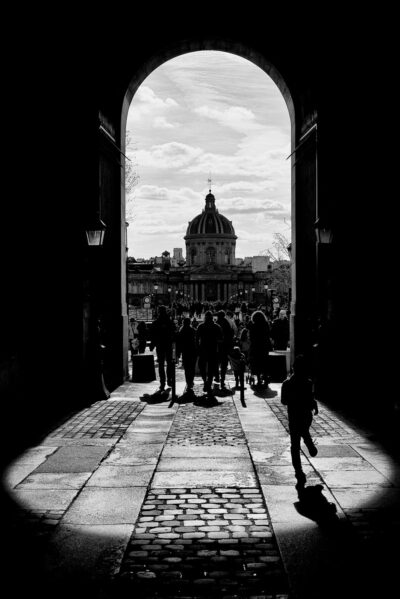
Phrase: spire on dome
x=210 y=199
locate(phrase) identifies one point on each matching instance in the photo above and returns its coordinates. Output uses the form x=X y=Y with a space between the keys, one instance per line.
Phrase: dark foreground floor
x=133 y=497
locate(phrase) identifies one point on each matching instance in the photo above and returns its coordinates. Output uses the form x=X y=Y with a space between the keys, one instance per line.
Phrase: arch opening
x=219 y=251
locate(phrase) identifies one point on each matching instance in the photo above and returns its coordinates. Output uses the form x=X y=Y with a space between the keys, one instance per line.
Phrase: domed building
x=211 y=271
x=210 y=254
x=210 y=238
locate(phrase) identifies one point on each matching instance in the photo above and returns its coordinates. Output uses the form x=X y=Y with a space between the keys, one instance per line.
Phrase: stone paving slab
x=16 y=473
x=51 y=480
x=284 y=475
x=350 y=478
x=368 y=497
x=272 y=455
x=205 y=451
x=74 y=458
x=191 y=479
x=336 y=451
x=127 y=453
x=79 y=551
x=44 y=499
x=204 y=464
x=36 y=455
x=138 y=475
x=144 y=438
x=339 y=464
x=102 y=506
x=82 y=442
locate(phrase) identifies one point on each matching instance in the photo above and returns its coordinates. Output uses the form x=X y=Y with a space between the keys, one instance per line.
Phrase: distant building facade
x=211 y=271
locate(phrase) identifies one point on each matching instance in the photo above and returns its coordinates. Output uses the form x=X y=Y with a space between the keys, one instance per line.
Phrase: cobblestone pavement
x=103 y=420
x=204 y=541
x=203 y=423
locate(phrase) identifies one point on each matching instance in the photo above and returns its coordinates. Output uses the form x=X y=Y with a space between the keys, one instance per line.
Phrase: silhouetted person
x=225 y=347
x=244 y=337
x=142 y=336
x=297 y=394
x=162 y=333
x=186 y=346
x=208 y=338
x=260 y=346
x=280 y=331
x=238 y=363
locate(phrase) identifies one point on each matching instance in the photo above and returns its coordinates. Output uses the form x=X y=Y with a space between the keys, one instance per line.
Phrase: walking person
x=208 y=337
x=260 y=346
x=225 y=347
x=297 y=394
x=186 y=346
x=238 y=363
x=162 y=335
x=280 y=331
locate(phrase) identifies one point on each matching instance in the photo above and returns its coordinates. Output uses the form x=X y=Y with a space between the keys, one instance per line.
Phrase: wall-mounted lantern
x=95 y=232
x=323 y=232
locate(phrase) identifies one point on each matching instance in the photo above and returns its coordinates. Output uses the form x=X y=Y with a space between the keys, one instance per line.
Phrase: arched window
x=193 y=253
x=227 y=257
x=210 y=255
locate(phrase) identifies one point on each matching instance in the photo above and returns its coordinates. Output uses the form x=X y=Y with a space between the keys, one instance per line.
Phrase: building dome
x=210 y=221
x=210 y=238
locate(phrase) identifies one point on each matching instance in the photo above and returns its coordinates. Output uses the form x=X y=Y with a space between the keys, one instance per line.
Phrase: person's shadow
x=207 y=401
x=314 y=505
x=156 y=397
x=264 y=392
x=187 y=396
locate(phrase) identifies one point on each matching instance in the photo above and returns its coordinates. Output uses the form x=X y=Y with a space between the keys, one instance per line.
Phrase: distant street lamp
x=155 y=289
x=169 y=294
x=253 y=290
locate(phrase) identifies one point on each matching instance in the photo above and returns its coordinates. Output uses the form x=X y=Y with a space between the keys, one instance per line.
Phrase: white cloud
x=181 y=195
x=160 y=122
x=236 y=117
x=169 y=155
x=147 y=103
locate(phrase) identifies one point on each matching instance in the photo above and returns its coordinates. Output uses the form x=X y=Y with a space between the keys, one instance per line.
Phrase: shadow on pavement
x=264 y=392
x=157 y=397
x=314 y=505
x=207 y=401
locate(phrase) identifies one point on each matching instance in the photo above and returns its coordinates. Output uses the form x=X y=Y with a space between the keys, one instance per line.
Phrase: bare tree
x=131 y=178
x=280 y=249
x=280 y=274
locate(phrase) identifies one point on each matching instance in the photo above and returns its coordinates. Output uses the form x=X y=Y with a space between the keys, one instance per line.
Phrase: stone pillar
x=203 y=292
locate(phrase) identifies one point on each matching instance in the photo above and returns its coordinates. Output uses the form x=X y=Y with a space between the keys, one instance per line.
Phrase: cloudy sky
x=208 y=113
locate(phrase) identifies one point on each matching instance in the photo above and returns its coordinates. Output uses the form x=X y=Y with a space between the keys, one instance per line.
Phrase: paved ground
x=135 y=497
